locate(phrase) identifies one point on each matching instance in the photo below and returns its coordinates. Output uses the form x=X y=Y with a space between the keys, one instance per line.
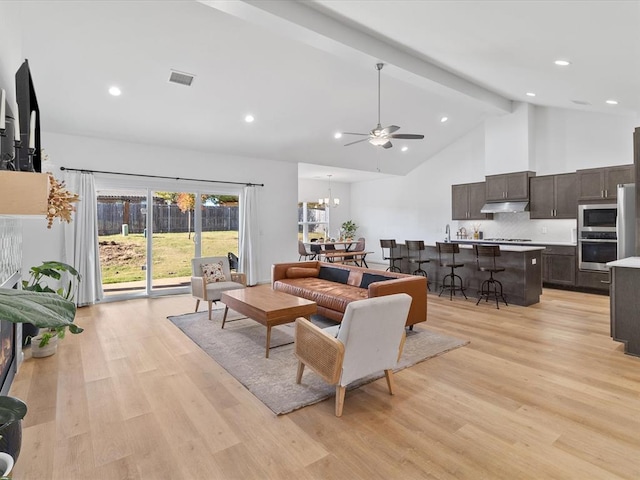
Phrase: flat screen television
x=27 y=103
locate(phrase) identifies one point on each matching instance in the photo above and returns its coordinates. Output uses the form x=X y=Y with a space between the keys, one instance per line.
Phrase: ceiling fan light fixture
x=444 y=119
x=378 y=141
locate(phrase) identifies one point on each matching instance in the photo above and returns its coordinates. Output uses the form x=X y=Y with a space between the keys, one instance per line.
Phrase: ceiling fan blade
x=407 y=136
x=390 y=129
x=351 y=133
x=387 y=145
x=357 y=141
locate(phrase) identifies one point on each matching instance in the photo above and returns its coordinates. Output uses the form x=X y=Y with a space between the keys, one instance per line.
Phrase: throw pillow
x=301 y=272
x=368 y=278
x=338 y=275
x=213 y=272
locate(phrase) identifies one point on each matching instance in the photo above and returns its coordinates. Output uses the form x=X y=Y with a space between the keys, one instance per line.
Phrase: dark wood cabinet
x=467 y=200
x=602 y=183
x=553 y=196
x=559 y=265
x=509 y=186
x=597 y=281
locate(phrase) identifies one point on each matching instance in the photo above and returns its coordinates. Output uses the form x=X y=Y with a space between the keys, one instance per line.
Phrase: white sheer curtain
x=81 y=238
x=248 y=244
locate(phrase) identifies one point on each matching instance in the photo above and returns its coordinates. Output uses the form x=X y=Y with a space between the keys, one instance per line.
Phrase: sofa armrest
x=415 y=285
x=279 y=270
x=239 y=278
x=199 y=287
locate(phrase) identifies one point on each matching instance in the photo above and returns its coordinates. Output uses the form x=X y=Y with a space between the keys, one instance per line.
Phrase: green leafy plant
x=44 y=310
x=349 y=229
x=55 y=271
x=62 y=273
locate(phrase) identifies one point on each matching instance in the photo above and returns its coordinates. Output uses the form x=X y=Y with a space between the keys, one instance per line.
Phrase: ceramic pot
x=6 y=464
x=49 y=349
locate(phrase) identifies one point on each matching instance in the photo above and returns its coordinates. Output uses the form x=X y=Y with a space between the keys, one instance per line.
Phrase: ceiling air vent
x=181 y=78
x=581 y=102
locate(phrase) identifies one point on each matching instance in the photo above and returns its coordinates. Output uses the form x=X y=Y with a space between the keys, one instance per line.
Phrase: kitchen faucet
x=448 y=232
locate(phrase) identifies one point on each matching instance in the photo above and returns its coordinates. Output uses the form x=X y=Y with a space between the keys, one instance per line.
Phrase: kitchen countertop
x=631 y=262
x=533 y=242
x=505 y=247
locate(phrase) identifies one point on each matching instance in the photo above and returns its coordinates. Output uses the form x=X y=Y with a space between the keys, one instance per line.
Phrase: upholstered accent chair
x=369 y=340
x=210 y=276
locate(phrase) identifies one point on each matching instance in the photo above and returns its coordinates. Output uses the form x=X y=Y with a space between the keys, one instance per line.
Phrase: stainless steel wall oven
x=597 y=238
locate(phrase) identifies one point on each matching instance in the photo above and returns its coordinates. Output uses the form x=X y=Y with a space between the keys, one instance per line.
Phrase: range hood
x=505 y=207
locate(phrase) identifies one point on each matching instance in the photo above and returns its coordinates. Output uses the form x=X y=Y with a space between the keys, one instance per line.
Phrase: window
x=313 y=221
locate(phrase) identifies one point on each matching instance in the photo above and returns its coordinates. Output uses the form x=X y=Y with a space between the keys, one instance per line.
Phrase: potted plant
x=349 y=229
x=45 y=342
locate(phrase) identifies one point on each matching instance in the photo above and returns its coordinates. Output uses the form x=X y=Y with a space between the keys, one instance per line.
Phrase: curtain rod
x=163 y=177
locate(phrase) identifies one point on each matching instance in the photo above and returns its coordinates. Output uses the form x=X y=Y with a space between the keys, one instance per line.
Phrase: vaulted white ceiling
x=306 y=70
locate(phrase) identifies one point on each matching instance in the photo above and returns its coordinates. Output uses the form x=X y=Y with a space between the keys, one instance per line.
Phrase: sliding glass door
x=172 y=240
x=148 y=237
x=122 y=224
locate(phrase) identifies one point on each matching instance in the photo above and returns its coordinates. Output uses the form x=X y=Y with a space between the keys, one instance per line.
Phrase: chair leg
x=210 y=307
x=300 y=372
x=197 y=304
x=388 y=374
x=340 y=391
x=461 y=287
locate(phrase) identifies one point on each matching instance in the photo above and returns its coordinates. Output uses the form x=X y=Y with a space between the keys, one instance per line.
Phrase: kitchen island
x=521 y=280
x=625 y=303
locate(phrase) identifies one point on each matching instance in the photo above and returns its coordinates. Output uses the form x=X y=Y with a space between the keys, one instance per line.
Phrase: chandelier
x=329 y=201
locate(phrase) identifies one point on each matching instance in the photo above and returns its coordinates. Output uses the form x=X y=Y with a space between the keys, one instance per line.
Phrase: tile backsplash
x=10 y=247
x=519 y=225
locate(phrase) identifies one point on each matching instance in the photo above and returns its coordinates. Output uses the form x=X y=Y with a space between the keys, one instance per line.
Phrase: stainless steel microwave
x=597 y=217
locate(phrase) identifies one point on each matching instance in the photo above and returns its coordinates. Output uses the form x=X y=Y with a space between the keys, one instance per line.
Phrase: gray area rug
x=240 y=349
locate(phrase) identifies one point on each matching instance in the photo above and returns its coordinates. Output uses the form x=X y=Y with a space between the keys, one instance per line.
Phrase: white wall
x=569 y=140
x=508 y=141
x=277 y=200
x=10 y=50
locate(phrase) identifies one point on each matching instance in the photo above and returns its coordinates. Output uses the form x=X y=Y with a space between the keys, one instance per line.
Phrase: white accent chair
x=212 y=291
x=369 y=339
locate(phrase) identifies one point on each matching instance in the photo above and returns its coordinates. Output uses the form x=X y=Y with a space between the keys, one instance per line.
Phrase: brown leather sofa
x=333 y=286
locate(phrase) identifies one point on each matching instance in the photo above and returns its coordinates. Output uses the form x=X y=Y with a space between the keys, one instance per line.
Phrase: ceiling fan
x=379 y=136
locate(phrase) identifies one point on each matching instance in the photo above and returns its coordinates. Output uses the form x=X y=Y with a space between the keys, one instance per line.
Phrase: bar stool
x=450 y=249
x=490 y=288
x=417 y=246
x=391 y=245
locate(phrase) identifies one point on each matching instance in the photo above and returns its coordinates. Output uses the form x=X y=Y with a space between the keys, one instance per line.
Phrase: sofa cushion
x=330 y=295
x=301 y=272
x=368 y=278
x=338 y=275
x=213 y=272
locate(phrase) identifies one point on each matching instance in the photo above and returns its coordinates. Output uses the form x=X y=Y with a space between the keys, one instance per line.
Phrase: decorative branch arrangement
x=60 y=201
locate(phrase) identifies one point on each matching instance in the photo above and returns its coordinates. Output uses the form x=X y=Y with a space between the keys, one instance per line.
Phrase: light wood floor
x=540 y=392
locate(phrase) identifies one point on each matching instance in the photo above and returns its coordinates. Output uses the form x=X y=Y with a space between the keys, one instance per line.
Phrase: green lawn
x=123 y=258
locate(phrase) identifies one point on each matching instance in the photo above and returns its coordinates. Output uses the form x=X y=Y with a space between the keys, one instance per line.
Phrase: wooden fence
x=166 y=218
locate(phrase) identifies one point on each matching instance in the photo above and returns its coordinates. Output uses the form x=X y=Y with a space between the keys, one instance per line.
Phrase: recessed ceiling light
x=115 y=91
x=404 y=149
x=337 y=135
x=444 y=119
x=249 y=118
x=562 y=63
x=612 y=102
x=530 y=94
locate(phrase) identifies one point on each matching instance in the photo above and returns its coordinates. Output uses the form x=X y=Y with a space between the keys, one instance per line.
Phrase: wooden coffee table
x=267 y=306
